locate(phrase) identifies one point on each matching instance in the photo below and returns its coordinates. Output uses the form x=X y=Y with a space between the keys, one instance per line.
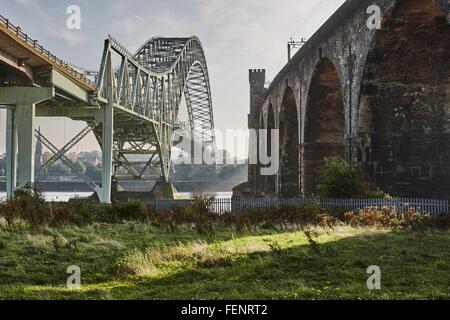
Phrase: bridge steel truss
x=132 y=108
x=140 y=101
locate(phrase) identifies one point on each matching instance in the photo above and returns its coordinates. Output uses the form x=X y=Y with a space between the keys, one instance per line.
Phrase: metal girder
x=83 y=133
x=65 y=160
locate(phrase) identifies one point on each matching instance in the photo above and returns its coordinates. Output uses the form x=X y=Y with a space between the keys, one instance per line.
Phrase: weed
x=313 y=244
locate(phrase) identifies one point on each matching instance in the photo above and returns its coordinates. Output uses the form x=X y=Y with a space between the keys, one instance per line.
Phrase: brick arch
x=324 y=134
x=404 y=117
x=289 y=175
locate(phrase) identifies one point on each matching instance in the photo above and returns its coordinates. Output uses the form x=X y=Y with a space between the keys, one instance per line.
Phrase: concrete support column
x=24 y=120
x=11 y=153
x=20 y=138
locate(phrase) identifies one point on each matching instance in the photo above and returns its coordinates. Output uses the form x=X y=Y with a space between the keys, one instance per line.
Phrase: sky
x=236 y=35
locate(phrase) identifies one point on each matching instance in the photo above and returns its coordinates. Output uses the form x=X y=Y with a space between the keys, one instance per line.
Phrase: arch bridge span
x=377 y=97
x=132 y=105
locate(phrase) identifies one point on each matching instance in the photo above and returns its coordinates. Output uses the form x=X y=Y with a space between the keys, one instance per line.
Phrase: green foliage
x=389 y=218
x=94 y=172
x=79 y=166
x=28 y=204
x=341 y=180
x=201 y=216
x=130 y=211
x=58 y=169
x=313 y=244
x=10 y=212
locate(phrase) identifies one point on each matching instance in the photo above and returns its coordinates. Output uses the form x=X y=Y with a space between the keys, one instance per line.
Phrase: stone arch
x=270 y=181
x=289 y=175
x=324 y=123
x=404 y=120
x=262 y=118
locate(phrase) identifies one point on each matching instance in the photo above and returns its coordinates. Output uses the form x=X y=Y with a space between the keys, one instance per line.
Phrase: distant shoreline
x=192 y=187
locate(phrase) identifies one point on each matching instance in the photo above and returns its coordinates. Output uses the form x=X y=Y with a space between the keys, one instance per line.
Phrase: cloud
x=73 y=38
x=26 y=2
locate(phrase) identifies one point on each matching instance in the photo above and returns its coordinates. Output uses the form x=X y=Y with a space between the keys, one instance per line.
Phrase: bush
x=200 y=214
x=10 y=211
x=388 y=217
x=132 y=211
x=28 y=204
x=341 y=180
x=273 y=217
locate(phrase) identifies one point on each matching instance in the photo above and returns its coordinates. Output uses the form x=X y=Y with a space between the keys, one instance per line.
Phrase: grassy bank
x=142 y=261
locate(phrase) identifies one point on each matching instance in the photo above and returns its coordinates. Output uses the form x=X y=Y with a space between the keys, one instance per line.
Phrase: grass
x=139 y=261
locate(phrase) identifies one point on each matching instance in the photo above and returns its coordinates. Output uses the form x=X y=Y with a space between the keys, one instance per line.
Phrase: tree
x=80 y=167
x=58 y=169
x=94 y=172
x=46 y=156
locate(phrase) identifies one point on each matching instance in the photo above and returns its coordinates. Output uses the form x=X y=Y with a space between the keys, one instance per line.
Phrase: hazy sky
x=237 y=35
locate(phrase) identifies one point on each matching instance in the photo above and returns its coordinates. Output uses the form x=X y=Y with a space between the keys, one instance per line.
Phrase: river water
x=66 y=196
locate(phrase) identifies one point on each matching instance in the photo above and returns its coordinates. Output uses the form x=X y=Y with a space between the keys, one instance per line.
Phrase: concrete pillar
x=24 y=119
x=11 y=153
x=20 y=138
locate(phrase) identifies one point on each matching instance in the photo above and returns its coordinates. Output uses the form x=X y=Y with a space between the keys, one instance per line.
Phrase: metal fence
x=426 y=206
x=401 y=205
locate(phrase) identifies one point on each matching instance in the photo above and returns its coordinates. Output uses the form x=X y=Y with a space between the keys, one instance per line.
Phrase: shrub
x=200 y=214
x=388 y=217
x=308 y=212
x=10 y=211
x=62 y=215
x=339 y=179
x=132 y=210
x=327 y=221
x=29 y=204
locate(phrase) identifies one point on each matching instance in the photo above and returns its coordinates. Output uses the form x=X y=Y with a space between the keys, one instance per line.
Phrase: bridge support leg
x=20 y=132
x=24 y=118
x=104 y=193
x=11 y=153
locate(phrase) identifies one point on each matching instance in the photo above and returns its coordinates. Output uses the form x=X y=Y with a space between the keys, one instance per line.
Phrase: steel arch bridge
x=131 y=104
x=143 y=95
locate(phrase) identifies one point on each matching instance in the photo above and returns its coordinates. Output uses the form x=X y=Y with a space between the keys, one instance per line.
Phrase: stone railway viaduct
x=380 y=98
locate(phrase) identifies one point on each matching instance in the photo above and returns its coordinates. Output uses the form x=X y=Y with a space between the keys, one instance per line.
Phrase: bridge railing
x=401 y=205
x=34 y=43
